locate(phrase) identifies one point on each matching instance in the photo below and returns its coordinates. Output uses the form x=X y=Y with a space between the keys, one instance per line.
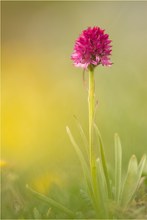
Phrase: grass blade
x=51 y=202
x=104 y=164
x=83 y=164
x=102 y=189
x=130 y=182
x=83 y=136
x=78 y=151
x=133 y=179
x=142 y=165
x=118 y=167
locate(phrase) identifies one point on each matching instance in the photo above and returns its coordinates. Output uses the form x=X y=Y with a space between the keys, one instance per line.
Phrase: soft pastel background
x=42 y=90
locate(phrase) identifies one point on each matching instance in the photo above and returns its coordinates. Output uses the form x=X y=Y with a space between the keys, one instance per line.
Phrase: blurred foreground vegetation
x=19 y=203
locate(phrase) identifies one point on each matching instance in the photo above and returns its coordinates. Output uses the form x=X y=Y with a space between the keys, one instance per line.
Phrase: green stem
x=91 y=105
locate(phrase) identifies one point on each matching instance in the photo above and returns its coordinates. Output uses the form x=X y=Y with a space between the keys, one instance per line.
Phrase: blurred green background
x=42 y=90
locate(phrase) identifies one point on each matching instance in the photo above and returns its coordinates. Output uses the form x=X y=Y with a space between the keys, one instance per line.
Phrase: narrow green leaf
x=51 y=202
x=130 y=182
x=102 y=189
x=83 y=164
x=118 y=167
x=83 y=136
x=142 y=179
x=104 y=164
x=140 y=172
x=142 y=165
x=145 y=169
x=78 y=151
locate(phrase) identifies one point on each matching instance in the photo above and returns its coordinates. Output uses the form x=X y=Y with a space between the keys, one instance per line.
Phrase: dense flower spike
x=92 y=48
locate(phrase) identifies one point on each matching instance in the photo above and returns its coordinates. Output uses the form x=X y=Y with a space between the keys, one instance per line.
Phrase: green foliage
x=122 y=193
x=131 y=203
x=132 y=180
x=52 y=202
x=104 y=199
x=103 y=160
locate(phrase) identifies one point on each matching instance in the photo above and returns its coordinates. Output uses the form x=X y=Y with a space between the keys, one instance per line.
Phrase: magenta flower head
x=92 y=48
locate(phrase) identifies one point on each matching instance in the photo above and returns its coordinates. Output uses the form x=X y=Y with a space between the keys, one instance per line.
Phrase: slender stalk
x=91 y=104
x=95 y=176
